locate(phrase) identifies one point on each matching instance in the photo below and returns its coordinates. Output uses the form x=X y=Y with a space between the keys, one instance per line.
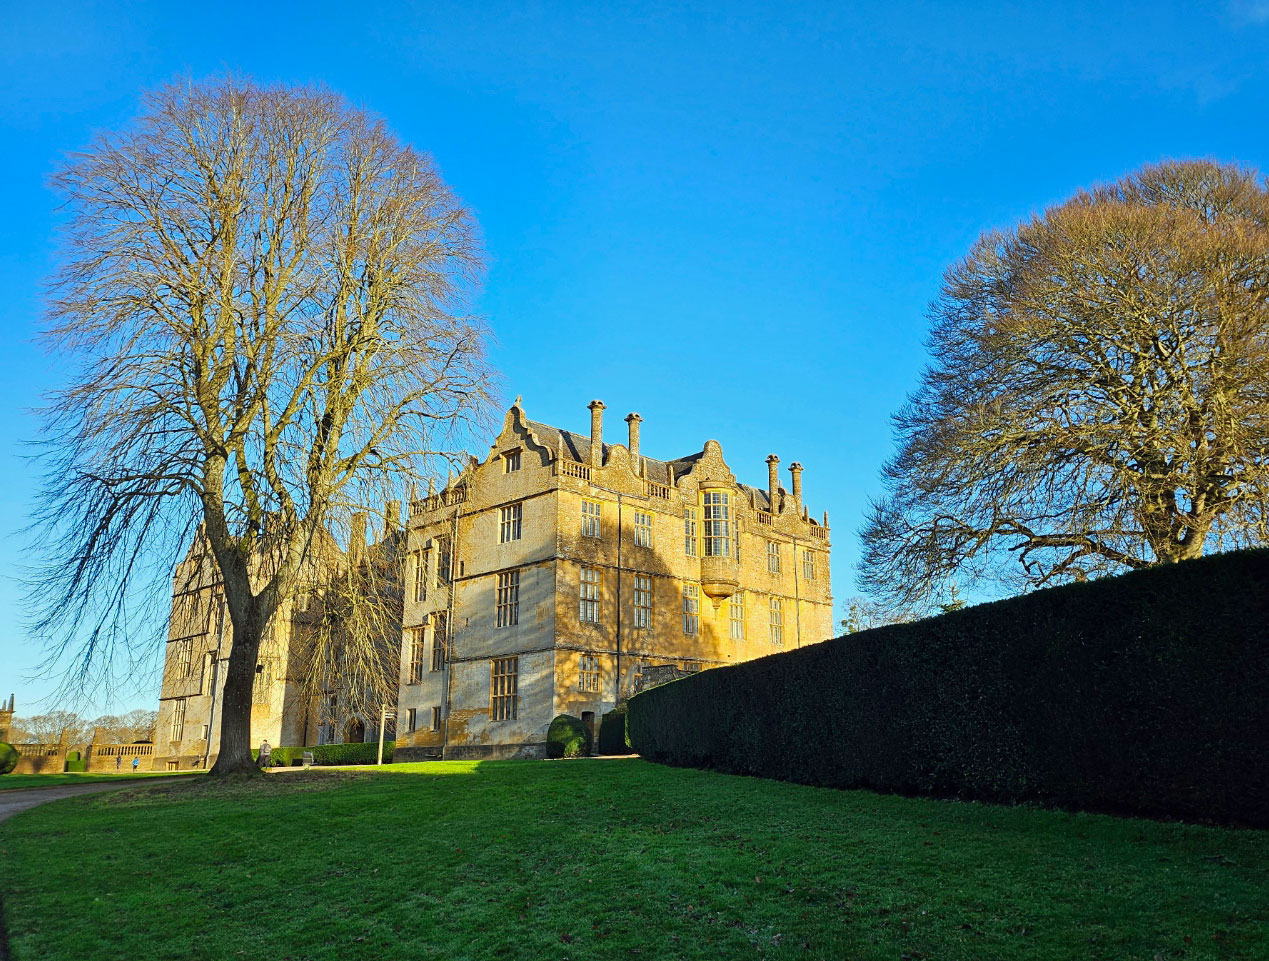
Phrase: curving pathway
x=13 y=801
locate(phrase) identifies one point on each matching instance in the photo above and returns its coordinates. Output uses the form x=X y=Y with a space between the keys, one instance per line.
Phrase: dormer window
x=510 y=461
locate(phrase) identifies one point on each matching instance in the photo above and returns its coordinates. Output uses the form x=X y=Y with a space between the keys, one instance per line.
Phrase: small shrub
x=8 y=758
x=612 y=732
x=567 y=737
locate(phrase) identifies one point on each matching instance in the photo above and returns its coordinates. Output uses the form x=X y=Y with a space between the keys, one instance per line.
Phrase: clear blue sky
x=731 y=222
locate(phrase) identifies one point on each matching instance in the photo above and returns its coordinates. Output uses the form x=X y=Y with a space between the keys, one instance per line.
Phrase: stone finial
x=596 y=408
x=634 y=420
x=773 y=482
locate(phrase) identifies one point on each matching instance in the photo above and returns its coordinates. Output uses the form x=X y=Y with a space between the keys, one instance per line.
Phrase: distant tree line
x=47 y=728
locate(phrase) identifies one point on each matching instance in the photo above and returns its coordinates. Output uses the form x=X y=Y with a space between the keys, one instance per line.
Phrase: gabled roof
x=577 y=447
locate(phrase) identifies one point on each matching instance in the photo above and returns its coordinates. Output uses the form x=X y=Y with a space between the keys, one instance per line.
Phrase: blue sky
x=730 y=218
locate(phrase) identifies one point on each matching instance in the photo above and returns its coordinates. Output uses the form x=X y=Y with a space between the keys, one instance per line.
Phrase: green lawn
x=610 y=859
x=12 y=782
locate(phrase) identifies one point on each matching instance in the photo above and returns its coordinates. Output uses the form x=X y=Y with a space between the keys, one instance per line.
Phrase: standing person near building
x=265 y=752
x=118 y=762
x=136 y=763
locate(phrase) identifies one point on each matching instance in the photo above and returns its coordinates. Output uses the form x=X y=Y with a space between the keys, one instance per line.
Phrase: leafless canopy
x=264 y=299
x=1098 y=397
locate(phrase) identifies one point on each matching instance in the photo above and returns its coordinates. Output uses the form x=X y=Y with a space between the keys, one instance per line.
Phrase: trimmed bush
x=1144 y=694
x=350 y=753
x=75 y=766
x=328 y=754
x=612 y=732
x=567 y=737
x=8 y=757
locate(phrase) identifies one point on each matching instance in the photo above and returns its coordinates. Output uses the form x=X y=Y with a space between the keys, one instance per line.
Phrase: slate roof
x=577 y=446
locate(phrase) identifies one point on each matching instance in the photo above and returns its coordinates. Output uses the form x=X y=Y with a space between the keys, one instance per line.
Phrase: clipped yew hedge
x=329 y=754
x=1144 y=694
x=567 y=737
x=612 y=732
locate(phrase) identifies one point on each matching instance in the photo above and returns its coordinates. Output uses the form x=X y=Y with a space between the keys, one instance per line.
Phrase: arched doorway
x=355 y=732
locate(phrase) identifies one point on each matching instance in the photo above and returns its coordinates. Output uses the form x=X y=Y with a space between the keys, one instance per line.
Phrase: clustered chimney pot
x=795 y=469
x=773 y=482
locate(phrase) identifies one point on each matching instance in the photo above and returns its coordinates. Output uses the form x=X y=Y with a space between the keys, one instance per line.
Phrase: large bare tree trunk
x=234 y=756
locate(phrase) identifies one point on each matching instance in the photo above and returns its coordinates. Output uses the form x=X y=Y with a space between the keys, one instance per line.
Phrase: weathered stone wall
x=40 y=758
x=111 y=758
x=200 y=635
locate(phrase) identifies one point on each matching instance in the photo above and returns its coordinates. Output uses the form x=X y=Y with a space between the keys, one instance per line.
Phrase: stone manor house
x=550 y=578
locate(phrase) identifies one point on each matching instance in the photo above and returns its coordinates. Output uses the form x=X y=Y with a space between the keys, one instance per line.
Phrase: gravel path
x=11 y=802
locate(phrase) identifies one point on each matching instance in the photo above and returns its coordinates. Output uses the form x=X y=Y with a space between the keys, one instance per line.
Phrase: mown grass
x=611 y=859
x=11 y=782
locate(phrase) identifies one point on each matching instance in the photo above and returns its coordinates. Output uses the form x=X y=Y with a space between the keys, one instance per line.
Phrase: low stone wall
x=41 y=758
x=425 y=753
x=492 y=752
x=105 y=758
x=98 y=758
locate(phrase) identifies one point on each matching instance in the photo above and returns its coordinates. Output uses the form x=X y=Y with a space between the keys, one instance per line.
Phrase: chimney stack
x=596 y=433
x=796 y=470
x=357 y=537
x=391 y=518
x=634 y=420
x=773 y=482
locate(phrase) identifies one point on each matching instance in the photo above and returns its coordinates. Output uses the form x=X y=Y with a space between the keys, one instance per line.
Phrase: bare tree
x=864 y=613
x=1098 y=395
x=349 y=643
x=265 y=298
x=49 y=727
x=135 y=725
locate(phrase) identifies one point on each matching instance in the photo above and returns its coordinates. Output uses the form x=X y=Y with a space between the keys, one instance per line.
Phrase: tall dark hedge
x=612 y=732
x=1143 y=694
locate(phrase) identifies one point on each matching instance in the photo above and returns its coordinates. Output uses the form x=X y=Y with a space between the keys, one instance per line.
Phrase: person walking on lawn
x=265 y=752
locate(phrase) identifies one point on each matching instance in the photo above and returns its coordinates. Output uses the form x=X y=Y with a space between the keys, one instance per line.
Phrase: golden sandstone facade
x=551 y=577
